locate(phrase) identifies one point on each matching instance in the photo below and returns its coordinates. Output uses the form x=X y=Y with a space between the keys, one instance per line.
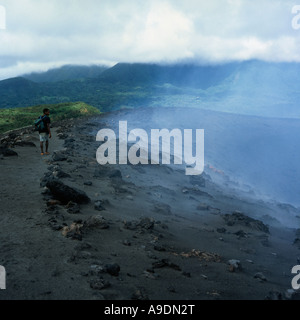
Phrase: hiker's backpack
x=39 y=124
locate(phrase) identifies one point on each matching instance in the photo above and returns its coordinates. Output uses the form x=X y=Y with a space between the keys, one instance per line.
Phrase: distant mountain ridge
x=181 y=75
x=251 y=87
x=67 y=72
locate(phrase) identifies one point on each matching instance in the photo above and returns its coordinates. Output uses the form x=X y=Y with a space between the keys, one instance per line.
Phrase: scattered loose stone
x=83 y=246
x=115 y=174
x=214 y=211
x=48 y=176
x=274 y=295
x=139 y=295
x=121 y=189
x=241 y=234
x=171 y=289
x=151 y=275
x=151 y=255
x=265 y=240
x=99 y=284
x=130 y=225
x=95 y=270
x=238 y=218
x=83 y=255
x=73 y=231
x=163 y=209
x=196 y=191
x=46 y=191
x=291 y=294
x=143 y=223
x=62 y=136
x=203 y=207
x=159 y=248
x=56 y=227
x=73 y=208
x=59 y=174
x=127 y=243
x=165 y=263
x=201 y=255
x=164 y=226
x=146 y=223
x=99 y=205
x=95 y=222
x=198 y=180
x=260 y=276
x=112 y=269
x=59 y=156
x=274 y=254
x=297 y=239
x=234 y=265
x=53 y=203
x=186 y=274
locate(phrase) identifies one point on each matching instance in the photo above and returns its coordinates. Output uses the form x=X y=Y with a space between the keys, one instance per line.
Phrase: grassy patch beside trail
x=11 y=119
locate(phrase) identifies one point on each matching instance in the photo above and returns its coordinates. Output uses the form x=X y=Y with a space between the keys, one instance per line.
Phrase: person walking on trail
x=45 y=132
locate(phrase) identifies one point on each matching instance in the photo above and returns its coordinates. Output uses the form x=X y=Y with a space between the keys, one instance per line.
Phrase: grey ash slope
x=255 y=151
x=147 y=233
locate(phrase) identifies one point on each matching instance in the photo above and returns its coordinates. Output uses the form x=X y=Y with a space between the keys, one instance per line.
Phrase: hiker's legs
x=44 y=138
x=42 y=146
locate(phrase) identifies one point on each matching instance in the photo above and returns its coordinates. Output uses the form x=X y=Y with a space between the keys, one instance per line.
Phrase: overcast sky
x=41 y=34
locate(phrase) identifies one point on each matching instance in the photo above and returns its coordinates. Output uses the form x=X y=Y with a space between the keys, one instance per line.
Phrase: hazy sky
x=41 y=34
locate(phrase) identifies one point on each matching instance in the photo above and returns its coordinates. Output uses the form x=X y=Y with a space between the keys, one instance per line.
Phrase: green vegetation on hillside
x=124 y=85
x=21 y=117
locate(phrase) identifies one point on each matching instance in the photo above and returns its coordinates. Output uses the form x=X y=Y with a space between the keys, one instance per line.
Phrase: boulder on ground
x=95 y=222
x=23 y=143
x=7 y=152
x=112 y=269
x=238 y=218
x=65 y=193
x=59 y=156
